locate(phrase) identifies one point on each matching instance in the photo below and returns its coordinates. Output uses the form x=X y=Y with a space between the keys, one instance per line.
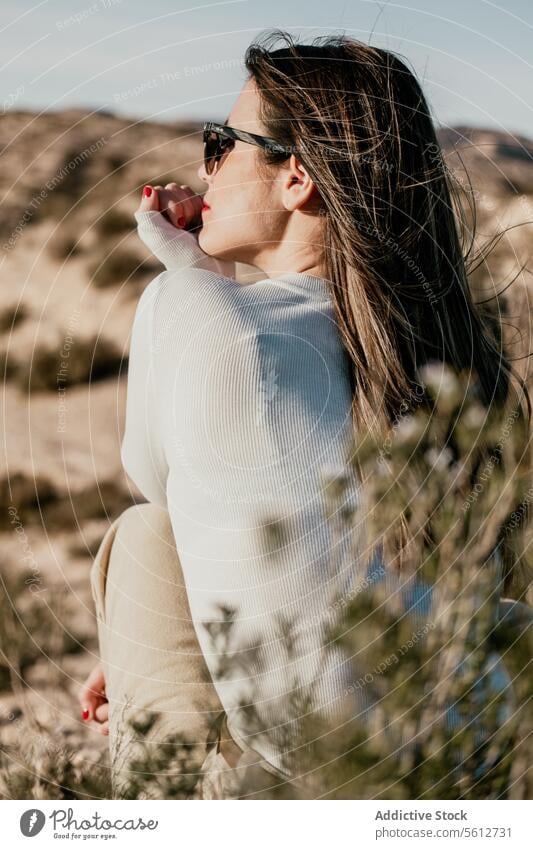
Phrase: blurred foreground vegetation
x=442 y=660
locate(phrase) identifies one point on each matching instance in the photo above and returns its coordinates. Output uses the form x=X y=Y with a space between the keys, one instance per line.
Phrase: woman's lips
x=205 y=207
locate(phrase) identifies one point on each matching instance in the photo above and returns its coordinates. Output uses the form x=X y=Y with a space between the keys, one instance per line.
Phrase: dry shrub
x=114 y=223
x=112 y=268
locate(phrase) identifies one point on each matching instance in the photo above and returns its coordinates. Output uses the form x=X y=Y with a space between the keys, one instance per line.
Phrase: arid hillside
x=72 y=272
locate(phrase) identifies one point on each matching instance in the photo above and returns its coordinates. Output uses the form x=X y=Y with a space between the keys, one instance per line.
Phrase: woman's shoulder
x=196 y=292
x=199 y=292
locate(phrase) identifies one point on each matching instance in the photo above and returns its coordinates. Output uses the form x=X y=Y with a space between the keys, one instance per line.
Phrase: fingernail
x=85 y=714
x=181 y=221
x=147 y=191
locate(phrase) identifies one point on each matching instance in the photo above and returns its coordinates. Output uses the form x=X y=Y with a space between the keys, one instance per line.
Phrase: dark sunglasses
x=219 y=138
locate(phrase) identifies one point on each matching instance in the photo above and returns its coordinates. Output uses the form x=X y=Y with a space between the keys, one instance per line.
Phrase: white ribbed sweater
x=238 y=409
x=238 y=405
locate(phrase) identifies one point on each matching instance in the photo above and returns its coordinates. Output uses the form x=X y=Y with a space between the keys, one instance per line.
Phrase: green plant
x=29 y=622
x=147 y=765
x=437 y=707
x=43 y=765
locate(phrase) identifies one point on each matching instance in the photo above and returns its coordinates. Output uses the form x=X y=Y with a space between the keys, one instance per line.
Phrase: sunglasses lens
x=214 y=148
x=211 y=145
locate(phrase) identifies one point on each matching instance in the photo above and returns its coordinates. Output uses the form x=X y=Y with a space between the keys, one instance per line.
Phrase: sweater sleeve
x=175 y=248
x=142 y=452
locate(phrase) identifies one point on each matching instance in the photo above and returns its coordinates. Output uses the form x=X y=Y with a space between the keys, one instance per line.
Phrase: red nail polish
x=85 y=714
x=147 y=191
x=181 y=221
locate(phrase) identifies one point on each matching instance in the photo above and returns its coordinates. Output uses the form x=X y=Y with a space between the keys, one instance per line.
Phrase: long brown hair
x=392 y=246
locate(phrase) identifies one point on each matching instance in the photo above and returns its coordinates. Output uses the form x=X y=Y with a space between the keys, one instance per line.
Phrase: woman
x=241 y=398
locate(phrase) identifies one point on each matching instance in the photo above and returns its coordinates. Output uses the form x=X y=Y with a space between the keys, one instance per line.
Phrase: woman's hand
x=179 y=204
x=93 y=700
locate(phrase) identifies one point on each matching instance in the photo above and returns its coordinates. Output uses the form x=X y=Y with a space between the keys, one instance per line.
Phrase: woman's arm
x=175 y=246
x=142 y=451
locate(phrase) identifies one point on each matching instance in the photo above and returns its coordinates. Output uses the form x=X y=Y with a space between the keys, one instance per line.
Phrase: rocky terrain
x=72 y=271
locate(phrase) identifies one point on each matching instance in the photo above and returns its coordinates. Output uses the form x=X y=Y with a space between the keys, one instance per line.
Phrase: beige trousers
x=152 y=659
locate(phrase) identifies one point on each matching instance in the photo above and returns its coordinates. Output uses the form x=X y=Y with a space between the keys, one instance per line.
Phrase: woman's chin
x=203 y=240
x=209 y=244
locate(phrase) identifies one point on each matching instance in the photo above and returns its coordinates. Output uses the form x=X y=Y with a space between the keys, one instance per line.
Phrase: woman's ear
x=298 y=188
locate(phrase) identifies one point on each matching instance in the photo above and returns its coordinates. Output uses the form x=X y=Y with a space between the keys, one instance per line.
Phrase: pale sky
x=177 y=59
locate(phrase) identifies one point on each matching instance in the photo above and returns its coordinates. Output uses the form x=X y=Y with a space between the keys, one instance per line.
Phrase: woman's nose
x=202 y=173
